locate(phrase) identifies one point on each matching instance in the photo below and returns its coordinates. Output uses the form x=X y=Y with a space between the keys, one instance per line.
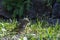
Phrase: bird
x=21 y=25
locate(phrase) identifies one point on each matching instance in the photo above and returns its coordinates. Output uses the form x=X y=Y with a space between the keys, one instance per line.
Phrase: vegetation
x=37 y=31
x=16 y=7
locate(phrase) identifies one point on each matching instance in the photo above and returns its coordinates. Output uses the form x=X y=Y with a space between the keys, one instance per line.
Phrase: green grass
x=37 y=31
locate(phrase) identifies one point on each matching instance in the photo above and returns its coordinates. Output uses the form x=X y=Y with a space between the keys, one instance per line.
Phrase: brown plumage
x=21 y=25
